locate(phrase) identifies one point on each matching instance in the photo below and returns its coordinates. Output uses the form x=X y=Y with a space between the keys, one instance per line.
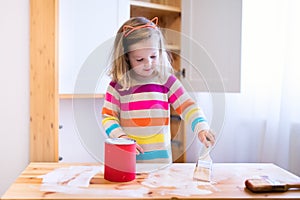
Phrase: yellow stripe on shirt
x=192 y=111
x=151 y=139
x=109 y=118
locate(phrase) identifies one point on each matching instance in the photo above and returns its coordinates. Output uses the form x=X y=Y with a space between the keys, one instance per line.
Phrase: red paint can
x=119 y=159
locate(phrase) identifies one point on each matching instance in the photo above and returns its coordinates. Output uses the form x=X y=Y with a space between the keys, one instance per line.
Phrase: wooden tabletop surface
x=171 y=182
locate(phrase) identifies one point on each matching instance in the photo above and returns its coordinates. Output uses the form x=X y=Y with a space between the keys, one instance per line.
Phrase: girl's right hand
x=207 y=137
x=139 y=149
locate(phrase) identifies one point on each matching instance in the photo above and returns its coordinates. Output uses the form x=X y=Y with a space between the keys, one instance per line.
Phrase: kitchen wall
x=14 y=86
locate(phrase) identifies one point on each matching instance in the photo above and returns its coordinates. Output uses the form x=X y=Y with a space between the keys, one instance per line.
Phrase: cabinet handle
x=175 y=117
x=180 y=73
x=176 y=143
x=183 y=72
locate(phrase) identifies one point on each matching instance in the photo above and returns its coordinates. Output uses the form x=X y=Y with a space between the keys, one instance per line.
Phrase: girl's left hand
x=207 y=137
x=139 y=149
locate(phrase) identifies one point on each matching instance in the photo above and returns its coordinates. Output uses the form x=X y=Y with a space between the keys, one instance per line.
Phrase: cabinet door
x=211 y=45
x=86 y=31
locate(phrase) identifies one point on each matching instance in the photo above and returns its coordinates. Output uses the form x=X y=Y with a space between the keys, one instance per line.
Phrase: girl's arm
x=189 y=111
x=111 y=113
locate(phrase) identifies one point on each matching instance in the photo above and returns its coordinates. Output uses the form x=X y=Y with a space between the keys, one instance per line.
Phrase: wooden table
x=172 y=182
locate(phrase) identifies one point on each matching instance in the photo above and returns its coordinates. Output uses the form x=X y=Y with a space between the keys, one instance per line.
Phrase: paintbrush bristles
x=203 y=169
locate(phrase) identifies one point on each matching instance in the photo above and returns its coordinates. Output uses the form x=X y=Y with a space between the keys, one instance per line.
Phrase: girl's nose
x=148 y=62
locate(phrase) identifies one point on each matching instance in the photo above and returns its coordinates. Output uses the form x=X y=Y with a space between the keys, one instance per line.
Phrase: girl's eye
x=139 y=60
x=152 y=57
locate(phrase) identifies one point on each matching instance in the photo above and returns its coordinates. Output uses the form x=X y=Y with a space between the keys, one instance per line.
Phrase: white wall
x=14 y=86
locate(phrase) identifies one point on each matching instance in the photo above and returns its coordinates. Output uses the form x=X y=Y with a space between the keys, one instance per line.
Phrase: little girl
x=137 y=101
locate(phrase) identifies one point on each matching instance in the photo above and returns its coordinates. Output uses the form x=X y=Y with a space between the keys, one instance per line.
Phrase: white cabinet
x=211 y=45
x=86 y=31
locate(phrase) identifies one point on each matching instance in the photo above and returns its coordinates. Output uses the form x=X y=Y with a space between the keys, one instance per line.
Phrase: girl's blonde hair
x=125 y=38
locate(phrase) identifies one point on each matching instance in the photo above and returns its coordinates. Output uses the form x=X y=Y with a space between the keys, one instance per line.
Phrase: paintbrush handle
x=267 y=185
x=293 y=185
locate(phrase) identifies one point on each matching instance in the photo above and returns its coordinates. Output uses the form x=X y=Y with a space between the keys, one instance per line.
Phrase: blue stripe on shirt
x=111 y=128
x=196 y=121
x=150 y=155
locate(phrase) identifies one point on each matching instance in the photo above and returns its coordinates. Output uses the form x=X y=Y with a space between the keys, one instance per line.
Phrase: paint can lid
x=120 y=141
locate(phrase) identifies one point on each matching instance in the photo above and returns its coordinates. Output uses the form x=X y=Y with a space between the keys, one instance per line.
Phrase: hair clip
x=130 y=29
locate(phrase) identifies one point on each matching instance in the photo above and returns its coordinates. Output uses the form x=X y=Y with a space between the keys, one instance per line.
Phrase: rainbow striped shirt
x=143 y=113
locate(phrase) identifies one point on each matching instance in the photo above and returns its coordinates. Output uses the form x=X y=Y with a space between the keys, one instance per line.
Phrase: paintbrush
x=265 y=184
x=203 y=167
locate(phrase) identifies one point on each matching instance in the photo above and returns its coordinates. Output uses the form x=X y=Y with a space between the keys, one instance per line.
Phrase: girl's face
x=144 y=56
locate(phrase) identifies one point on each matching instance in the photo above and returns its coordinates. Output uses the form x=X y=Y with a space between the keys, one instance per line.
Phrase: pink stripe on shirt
x=110 y=98
x=145 y=88
x=171 y=80
x=147 y=104
x=176 y=95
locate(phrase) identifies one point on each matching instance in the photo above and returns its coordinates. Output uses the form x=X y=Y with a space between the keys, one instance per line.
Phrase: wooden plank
x=178 y=139
x=43 y=81
x=81 y=96
x=155 y=6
